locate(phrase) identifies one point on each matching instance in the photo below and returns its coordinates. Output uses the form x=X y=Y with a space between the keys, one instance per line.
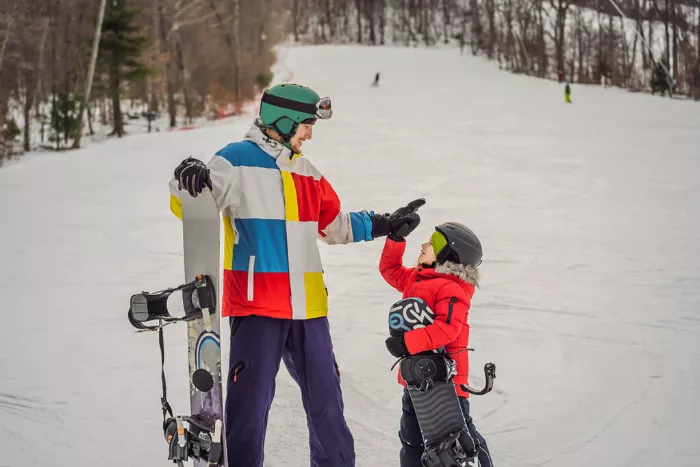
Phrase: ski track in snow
x=589 y=217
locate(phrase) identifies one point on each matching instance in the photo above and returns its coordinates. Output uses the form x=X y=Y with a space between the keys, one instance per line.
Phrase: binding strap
x=163 y=400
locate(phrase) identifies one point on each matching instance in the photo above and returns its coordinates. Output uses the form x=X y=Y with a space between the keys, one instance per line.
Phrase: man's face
x=304 y=132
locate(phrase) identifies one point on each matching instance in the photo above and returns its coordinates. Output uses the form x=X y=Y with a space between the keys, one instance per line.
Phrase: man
x=276 y=205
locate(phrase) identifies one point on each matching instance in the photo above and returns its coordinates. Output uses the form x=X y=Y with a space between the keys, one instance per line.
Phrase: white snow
x=588 y=213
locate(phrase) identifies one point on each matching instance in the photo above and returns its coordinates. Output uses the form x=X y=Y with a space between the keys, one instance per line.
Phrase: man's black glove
x=398 y=224
x=396 y=346
x=193 y=176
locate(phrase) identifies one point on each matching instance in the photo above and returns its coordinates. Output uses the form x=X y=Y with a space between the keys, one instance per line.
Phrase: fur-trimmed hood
x=468 y=274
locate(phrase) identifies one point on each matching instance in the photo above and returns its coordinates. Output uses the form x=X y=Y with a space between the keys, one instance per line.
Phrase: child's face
x=427 y=255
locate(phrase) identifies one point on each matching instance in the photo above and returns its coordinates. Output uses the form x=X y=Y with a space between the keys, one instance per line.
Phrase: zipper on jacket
x=251 y=272
x=453 y=300
x=235 y=231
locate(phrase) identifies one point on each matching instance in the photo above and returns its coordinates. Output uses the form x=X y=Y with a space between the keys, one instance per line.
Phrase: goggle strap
x=289 y=104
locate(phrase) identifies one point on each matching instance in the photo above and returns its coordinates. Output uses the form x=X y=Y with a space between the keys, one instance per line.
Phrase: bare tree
x=91 y=72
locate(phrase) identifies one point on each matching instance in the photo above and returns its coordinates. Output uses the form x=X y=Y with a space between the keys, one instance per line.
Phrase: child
x=445 y=278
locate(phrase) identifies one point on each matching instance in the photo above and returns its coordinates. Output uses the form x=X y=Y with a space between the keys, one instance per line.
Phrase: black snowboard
x=429 y=381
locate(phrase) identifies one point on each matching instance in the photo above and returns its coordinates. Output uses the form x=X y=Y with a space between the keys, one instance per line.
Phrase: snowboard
x=201 y=246
x=428 y=377
x=198 y=436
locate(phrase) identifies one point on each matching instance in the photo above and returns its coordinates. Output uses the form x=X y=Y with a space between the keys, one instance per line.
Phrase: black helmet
x=463 y=246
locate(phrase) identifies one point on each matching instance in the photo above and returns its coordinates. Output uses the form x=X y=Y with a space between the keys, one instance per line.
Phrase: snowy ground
x=589 y=304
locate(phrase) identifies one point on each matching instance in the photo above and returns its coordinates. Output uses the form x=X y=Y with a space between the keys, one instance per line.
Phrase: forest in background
x=189 y=59
x=180 y=58
x=588 y=41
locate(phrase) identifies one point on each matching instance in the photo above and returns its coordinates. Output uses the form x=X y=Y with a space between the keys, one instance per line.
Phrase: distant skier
x=276 y=206
x=567 y=93
x=445 y=279
x=660 y=82
x=375 y=83
x=560 y=76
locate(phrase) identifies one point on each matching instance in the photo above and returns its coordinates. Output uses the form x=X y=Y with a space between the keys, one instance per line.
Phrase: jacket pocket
x=251 y=277
x=236 y=371
x=234 y=323
x=453 y=300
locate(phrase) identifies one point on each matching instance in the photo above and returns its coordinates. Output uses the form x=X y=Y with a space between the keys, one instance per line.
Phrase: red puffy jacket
x=448 y=290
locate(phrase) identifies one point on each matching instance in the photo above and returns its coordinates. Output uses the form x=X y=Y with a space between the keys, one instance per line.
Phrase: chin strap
x=286 y=138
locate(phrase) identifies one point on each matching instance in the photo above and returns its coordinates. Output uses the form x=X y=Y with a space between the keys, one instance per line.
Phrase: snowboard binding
x=197 y=296
x=200 y=440
x=450 y=452
x=423 y=370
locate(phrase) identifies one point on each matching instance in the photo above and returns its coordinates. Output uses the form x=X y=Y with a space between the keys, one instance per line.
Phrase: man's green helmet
x=284 y=106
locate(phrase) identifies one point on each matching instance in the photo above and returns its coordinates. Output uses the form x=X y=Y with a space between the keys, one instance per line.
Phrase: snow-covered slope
x=589 y=217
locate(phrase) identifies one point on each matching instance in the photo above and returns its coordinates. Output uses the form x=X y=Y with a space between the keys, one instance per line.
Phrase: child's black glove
x=396 y=346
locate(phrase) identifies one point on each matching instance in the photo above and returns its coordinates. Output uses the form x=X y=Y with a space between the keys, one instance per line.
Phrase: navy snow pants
x=258 y=344
x=412 y=440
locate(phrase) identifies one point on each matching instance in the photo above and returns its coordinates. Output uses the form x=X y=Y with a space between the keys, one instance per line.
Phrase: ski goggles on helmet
x=323 y=109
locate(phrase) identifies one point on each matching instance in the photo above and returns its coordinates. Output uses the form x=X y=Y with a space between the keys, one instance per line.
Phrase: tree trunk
x=185 y=78
x=90 y=75
x=89 y=119
x=651 y=41
x=491 y=10
x=330 y=19
x=559 y=38
x=169 y=81
x=510 y=55
x=116 y=107
x=463 y=30
x=370 y=17
x=675 y=44
x=237 y=50
x=625 y=55
x=640 y=31
x=30 y=89
x=4 y=93
x=633 y=61
x=425 y=24
x=54 y=87
x=358 y=5
x=477 y=30
x=421 y=22
x=152 y=94
x=295 y=19
x=602 y=58
x=5 y=41
x=697 y=59
x=666 y=34
x=541 y=45
x=445 y=21
x=612 y=56
x=382 y=21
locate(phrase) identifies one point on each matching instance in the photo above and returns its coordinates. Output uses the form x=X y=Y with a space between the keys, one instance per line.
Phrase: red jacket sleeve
x=330 y=204
x=451 y=309
x=391 y=265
